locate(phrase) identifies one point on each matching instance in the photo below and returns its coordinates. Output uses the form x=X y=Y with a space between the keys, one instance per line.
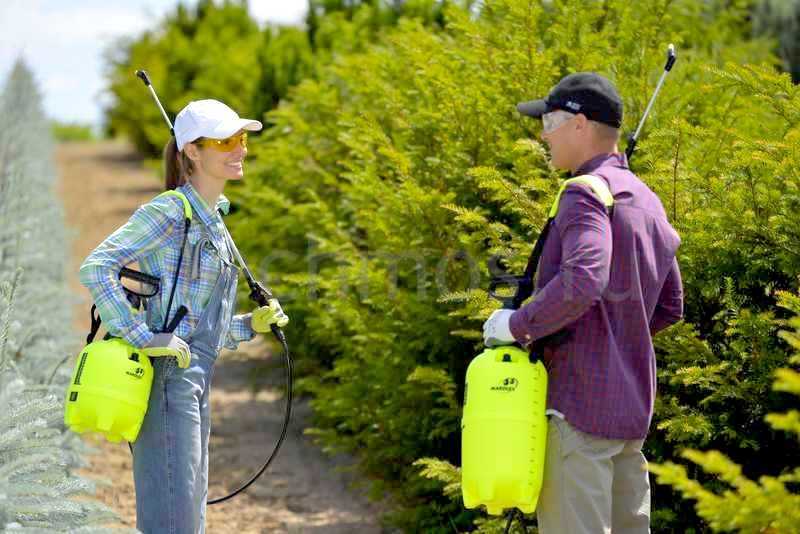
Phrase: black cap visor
x=534 y=108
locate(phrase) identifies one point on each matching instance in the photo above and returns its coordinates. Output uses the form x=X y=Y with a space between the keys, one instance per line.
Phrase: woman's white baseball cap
x=209 y=118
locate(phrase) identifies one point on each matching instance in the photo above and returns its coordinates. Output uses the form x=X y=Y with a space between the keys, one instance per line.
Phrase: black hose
x=287 y=416
x=511 y=515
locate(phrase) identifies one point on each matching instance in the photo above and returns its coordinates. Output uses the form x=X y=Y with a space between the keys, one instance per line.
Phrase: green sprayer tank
x=109 y=390
x=503 y=431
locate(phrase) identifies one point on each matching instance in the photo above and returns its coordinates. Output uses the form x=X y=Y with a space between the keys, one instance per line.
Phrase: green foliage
x=780 y=20
x=72 y=131
x=340 y=26
x=745 y=505
x=395 y=165
x=388 y=179
x=196 y=53
x=216 y=50
x=733 y=201
x=286 y=59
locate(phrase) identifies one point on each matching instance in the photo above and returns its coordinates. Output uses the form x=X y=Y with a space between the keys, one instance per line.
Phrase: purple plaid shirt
x=610 y=285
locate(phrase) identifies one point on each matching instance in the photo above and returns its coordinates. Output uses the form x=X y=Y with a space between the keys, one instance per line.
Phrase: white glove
x=497 y=329
x=167 y=344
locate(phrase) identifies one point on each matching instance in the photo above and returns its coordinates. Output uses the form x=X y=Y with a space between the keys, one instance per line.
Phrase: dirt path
x=303 y=491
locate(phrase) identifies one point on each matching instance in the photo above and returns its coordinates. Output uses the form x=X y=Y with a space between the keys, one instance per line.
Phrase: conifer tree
x=37 y=455
x=769 y=504
x=216 y=50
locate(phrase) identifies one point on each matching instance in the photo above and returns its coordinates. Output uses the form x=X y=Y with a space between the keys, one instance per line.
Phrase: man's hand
x=496 y=329
x=265 y=316
x=167 y=344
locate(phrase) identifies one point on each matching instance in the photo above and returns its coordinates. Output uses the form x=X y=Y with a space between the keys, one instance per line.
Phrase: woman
x=170 y=455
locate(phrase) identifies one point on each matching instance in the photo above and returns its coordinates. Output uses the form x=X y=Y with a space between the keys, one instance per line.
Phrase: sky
x=62 y=41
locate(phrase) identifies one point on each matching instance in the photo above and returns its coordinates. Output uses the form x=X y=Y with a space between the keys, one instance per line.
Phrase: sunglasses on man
x=553 y=120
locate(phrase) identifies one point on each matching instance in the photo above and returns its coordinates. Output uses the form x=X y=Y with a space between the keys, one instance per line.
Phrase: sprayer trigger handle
x=260 y=294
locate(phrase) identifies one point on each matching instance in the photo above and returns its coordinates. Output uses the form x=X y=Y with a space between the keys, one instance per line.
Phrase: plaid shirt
x=610 y=285
x=153 y=237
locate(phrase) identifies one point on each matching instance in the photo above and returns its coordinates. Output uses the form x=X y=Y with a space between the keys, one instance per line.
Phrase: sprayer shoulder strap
x=598 y=186
x=187 y=214
x=187 y=206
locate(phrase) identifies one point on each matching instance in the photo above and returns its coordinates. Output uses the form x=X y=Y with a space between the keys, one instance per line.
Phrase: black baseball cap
x=582 y=92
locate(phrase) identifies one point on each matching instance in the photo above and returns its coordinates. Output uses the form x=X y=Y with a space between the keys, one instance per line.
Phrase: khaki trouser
x=593 y=485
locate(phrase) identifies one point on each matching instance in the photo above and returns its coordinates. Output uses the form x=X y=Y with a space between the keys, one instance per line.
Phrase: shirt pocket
x=204 y=262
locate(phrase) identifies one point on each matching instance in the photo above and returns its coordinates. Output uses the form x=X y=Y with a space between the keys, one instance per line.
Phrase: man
x=608 y=280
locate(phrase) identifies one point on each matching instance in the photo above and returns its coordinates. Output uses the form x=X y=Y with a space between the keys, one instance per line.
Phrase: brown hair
x=177 y=166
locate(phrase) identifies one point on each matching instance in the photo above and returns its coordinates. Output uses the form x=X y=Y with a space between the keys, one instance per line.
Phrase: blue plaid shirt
x=152 y=237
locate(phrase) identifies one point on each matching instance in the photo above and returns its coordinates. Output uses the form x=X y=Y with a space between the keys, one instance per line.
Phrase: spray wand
x=633 y=139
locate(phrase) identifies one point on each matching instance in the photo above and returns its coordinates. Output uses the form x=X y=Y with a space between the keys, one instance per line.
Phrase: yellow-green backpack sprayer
x=110 y=387
x=504 y=426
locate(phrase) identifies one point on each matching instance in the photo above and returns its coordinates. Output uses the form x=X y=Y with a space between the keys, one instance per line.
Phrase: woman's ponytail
x=177 y=166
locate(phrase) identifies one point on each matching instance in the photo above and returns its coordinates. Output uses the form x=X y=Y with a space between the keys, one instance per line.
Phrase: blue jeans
x=170 y=456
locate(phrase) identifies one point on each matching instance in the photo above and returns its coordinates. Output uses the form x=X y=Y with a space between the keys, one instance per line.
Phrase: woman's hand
x=167 y=344
x=265 y=316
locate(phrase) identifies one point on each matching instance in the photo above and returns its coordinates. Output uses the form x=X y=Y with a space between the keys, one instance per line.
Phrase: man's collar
x=614 y=159
x=200 y=206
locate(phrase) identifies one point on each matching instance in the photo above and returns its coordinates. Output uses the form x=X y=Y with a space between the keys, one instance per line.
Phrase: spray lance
x=260 y=295
x=634 y=138
x=504 y=426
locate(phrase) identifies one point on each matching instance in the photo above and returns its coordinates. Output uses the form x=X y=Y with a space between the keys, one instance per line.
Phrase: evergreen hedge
x=390 y=175
x=385 y=184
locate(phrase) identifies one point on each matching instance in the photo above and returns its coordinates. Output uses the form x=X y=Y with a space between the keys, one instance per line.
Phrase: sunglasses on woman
x=225 y=145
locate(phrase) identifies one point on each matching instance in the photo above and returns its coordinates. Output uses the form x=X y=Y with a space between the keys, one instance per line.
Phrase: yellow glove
x=265 y=316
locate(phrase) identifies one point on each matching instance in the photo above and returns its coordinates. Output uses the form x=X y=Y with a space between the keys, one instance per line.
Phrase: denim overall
x=170 y=456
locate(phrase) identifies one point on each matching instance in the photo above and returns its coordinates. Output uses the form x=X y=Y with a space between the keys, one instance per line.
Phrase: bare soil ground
x=304 y=491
